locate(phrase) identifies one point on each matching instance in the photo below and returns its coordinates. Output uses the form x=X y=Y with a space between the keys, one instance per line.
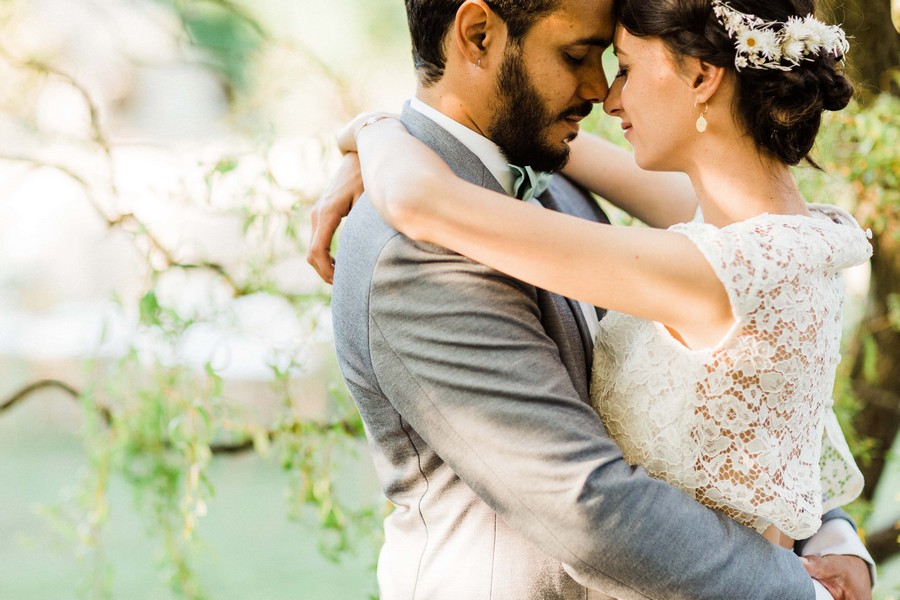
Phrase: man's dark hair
x=430 y=20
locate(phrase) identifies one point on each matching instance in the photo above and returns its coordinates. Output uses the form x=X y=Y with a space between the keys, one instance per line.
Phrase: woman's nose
x=612 y=105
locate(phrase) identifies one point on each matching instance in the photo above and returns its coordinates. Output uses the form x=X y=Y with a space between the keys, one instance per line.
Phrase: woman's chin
x=652 y=163
x=642 y=160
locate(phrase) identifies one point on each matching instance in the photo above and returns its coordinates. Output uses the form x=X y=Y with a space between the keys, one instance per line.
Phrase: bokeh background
x=172 y=422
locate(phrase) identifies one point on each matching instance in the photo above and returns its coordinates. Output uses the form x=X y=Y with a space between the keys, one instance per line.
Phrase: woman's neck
x=740 y=183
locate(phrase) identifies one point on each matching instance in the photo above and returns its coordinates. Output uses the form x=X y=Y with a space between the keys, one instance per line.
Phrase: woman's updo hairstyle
x=782 y=110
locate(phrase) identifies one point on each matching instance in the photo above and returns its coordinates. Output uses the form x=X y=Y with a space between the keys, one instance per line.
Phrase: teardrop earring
x=701 y=121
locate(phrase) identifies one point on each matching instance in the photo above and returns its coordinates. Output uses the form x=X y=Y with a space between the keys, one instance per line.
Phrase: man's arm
x=836 y=536
x=461 y=352
x=837 y=557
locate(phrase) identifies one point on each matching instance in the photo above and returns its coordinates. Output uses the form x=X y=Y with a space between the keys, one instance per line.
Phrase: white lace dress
x=746 y=426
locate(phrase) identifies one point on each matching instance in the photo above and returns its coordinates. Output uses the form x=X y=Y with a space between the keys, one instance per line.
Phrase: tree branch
x=877 y=397
x=346 y=426
x=37 y=386
x=883 y=544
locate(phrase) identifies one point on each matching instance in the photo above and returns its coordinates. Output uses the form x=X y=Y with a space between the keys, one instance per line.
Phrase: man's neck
x=452 y=105
x=486 y=150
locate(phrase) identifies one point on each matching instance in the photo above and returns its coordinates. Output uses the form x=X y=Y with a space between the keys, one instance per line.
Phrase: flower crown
x=778 y=45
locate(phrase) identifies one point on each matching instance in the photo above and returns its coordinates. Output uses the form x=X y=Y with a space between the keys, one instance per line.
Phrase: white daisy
x=748 y=41
x=778 y=45
x=758 y=42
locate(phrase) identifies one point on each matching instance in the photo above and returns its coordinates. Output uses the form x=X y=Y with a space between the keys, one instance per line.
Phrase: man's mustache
x=582 y=110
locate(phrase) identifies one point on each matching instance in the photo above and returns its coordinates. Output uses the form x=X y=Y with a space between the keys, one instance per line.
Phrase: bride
x=715 y=365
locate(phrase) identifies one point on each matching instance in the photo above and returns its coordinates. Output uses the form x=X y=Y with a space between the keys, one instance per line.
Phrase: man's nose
x=594 y=88
x=612 y=105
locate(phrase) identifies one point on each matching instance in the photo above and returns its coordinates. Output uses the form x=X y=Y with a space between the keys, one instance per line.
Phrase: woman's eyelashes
x=622 y=72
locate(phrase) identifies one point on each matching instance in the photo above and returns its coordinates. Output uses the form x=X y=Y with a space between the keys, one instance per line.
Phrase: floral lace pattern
x=746 y=426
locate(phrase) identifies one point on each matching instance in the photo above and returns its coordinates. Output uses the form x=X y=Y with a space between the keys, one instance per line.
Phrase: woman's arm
x=656 y=198
x=659 y=199
x=649 y=273
x=340 y=195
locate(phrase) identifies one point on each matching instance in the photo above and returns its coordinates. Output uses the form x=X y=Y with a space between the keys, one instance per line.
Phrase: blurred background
x=172 y=422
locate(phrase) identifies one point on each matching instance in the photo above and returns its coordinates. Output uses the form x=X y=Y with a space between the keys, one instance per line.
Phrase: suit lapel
x=567 y=327
x=464 y=163
x=584 y=332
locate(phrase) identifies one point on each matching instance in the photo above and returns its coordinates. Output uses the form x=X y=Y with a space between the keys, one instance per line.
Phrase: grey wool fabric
x=473 y=388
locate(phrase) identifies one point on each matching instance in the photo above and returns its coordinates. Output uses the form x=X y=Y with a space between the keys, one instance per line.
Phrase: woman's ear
x=706 y=79
x=476 y=30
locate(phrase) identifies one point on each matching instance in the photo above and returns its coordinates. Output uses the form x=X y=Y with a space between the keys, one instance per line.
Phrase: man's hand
x=845 y=577
x=335 y=203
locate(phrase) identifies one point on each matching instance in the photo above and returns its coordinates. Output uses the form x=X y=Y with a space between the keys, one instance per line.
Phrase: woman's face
x=654 y=98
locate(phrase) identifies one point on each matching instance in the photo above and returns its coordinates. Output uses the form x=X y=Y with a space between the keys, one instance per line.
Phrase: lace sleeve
x=842 y=480
x=767 y=447
x=765 y=262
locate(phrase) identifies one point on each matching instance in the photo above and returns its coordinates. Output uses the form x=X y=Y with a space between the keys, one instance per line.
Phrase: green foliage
x=311 y=456
x=858 y=152
x=225 y=32
x=858 y=147
x=385 y=22
x=893 y=308
x=155 y=419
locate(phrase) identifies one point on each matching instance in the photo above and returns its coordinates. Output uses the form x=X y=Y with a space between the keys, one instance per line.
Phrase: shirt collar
x=487 y=151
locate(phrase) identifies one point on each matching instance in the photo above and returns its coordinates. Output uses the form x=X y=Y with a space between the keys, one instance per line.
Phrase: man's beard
x=520 y=123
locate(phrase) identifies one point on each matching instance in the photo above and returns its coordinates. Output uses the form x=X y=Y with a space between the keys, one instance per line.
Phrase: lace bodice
x=745 y=426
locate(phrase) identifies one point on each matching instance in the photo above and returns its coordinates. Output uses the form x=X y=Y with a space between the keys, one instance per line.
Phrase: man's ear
x=476 y=30
x=705 y=78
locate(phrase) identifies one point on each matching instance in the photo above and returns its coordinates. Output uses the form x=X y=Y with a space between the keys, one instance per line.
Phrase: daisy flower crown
x=762 y=44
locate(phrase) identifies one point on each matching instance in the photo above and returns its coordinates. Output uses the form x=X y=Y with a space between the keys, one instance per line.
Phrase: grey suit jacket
x=473 y=388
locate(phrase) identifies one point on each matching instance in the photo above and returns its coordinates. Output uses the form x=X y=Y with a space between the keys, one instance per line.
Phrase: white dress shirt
x=837 y=537
x=834 y=537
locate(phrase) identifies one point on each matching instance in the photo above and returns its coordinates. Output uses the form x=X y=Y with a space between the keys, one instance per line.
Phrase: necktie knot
x=529 y=183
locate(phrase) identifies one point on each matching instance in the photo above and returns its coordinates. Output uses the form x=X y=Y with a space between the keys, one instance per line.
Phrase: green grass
x=249 y=549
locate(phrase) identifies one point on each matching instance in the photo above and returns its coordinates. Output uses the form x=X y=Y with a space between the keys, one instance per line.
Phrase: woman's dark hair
x=782 y=110
x=430 y=20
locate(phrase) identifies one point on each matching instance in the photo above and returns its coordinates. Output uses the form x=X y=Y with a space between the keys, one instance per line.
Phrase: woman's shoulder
x=828 y=239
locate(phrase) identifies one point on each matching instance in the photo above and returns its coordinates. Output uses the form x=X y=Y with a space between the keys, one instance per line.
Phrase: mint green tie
x=529 y=183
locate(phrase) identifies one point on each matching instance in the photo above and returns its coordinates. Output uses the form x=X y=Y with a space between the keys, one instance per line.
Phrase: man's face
x=549 y=81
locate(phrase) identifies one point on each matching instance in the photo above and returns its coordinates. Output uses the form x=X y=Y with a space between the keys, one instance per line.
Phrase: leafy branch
x=349 y=426
x=159 y=425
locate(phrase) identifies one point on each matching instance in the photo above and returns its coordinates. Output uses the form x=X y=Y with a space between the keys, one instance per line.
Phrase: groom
x=473 y=386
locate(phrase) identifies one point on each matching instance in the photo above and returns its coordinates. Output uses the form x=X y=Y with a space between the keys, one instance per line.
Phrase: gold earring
x=701 y=121
x=478 y=64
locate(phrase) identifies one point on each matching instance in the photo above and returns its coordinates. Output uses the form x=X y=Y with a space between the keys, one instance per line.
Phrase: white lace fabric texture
x=746 y=427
